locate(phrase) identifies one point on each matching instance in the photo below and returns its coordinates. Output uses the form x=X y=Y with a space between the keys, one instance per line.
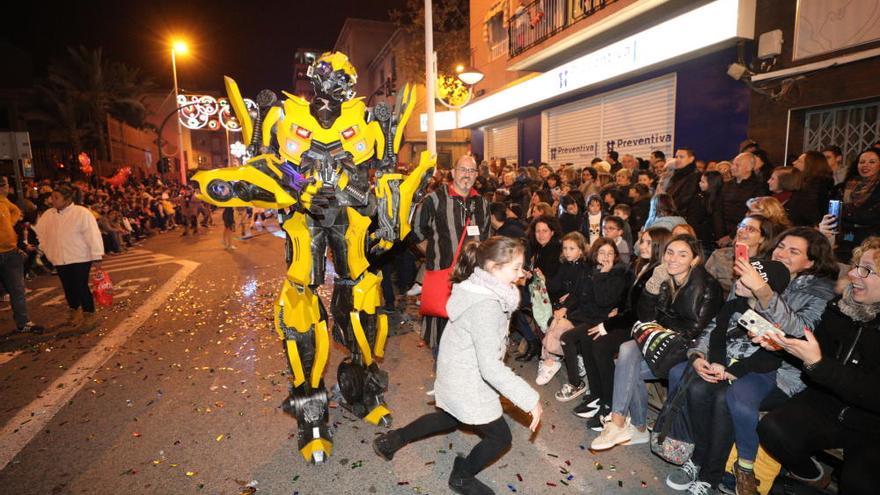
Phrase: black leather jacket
x=687 y=312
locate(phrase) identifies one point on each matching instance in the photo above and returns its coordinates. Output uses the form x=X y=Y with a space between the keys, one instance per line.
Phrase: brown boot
x=746 y=482
x=89 y=320
x=74 y=318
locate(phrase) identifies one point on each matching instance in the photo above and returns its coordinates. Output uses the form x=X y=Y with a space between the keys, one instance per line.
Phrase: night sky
x=252 y=41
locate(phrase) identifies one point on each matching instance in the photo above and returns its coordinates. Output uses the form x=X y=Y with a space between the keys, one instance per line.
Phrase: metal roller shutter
x=636 y=119
x=500 y=141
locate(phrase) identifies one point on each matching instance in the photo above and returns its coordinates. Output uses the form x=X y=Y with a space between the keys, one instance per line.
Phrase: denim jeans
x=630 y=393
x=12 y=277
x=744 y=397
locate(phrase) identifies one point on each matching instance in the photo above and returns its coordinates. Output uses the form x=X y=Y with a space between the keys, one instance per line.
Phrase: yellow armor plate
x=322 y=351
x=381 y=335
x=376 y=414
x=250 y=175
x=361 y=337
x=366 y=294
x=300 y=307
x=300 y=269
x=299 y=128
x=316 y=445
x=354 y=240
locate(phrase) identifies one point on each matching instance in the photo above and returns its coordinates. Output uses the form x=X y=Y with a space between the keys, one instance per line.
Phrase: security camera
x=737 y=71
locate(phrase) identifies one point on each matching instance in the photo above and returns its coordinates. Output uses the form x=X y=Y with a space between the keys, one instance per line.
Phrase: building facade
x=818 y=82
x=580 y=78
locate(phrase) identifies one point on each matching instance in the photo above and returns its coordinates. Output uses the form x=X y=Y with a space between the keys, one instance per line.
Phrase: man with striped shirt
x=439 y=222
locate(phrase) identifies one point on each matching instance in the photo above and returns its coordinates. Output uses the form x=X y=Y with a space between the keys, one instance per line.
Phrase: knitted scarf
x=508 y=294
x=857 y=311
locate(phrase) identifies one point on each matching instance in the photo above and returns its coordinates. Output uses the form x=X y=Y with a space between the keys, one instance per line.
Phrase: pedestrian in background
x=228 y=228
x=471 y=374
x=69 y=236
x=11 y=263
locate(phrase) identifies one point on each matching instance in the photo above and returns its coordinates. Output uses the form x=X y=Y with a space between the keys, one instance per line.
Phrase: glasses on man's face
x=864 y=271
x=748 y=228
x=467 y=171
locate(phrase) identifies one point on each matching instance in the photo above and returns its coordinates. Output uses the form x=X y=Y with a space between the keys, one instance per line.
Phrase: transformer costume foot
x=311 y=160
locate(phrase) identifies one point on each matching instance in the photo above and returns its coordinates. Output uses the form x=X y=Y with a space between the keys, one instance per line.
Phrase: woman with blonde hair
x=771 y=209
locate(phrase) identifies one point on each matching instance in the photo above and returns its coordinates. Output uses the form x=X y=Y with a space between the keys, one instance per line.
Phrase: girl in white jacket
x=470 y=364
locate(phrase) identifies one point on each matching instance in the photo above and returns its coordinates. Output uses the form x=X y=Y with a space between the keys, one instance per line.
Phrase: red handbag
x=437 y=285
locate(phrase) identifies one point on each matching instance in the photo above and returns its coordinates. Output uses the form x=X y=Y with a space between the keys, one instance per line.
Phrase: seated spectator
x=798 y=306
x=562 y=290
x=771 y=209
x=839 y=408
x=504 y=222
x=640 y=198
x=593 y=219
x=811 y=199
x=663 y=213
x=606 y=337
x=589 y=182
x=707 y=219
x=572 y=218
x=783 y=182
x=623 y=211
x=613 y=230
x=725 y=363
x=757 y=233
x=598 y=295
x=734 y=194
x=861 y=203
x=683 y=229
x=681 y=296
x=543 y=251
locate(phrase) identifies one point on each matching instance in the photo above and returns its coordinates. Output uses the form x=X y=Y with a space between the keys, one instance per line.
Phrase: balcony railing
x=542 y=19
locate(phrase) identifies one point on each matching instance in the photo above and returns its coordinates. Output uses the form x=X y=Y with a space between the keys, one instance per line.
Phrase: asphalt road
x=177 y=391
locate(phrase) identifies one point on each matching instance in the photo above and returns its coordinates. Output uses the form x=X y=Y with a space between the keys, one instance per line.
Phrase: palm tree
x=83 y=88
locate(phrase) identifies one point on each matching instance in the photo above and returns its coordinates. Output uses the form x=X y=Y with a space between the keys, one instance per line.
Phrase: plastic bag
x=102 y=288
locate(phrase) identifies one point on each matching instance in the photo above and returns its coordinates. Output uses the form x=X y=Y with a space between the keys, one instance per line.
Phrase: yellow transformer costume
x=311 y=161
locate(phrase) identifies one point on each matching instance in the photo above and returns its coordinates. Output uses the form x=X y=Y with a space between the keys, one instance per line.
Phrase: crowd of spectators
x=618 y=242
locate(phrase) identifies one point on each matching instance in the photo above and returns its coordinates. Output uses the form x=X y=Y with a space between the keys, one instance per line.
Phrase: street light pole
x=430 y=76
x=176 y=105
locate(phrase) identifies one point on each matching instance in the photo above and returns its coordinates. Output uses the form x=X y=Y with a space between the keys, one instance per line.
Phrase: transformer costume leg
x=301 y=322
x=357 y=325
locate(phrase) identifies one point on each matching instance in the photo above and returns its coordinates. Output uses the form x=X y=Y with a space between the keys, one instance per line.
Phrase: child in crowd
x=613 y=230
x=471 y=373
x=563 y=295
x=593 y=219
x=623 y=211
x=598 y=295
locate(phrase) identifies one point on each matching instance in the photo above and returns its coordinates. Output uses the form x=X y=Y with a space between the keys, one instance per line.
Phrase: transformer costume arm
x=396 y=197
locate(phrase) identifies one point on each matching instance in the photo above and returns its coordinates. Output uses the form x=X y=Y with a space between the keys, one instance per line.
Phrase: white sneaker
x=415 y=290
x=700 y=488
x=611 y=436
x=638 y=436
x=682 y=478
x=546 y=373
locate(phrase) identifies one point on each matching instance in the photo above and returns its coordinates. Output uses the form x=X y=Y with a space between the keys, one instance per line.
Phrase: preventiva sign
x=710 y=24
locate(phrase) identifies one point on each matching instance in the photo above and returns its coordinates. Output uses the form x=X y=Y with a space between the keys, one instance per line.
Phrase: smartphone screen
x=741 y=251
x=834 y=207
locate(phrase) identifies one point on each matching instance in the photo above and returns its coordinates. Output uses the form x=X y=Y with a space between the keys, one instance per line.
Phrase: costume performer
x=311 y=160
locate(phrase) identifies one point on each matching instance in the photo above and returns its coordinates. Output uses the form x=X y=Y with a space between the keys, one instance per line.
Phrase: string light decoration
x=204 y=112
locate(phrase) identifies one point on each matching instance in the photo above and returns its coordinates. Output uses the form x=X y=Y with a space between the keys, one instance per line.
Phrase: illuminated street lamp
x=468 y=75
x=178 y=47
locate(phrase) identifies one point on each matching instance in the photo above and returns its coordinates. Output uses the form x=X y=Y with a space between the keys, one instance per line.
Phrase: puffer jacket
x=470 y=363
x=800 y=305
x=689 y=310
x=849 y=370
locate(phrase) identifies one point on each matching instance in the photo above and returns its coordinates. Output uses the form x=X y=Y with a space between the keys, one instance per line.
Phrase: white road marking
x=30 y=420
x=5 y=357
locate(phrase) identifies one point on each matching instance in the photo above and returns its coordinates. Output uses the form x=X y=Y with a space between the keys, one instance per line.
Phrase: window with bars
x=852 y=127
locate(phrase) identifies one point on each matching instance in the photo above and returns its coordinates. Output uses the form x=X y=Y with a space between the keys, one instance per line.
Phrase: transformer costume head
x=333 y=76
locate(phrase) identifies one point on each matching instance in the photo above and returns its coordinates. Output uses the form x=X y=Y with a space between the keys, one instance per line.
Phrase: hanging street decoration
x=204 y=112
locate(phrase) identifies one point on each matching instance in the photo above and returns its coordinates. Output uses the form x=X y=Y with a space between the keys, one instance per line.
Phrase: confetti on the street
x=551 y=484
x=190 y=473
x=644 y=485
x=402 y=483
x=563 y=482
x=598 y=465
x=620 y=484
x=430 y=462
x=511 y=487
x=554 y=455
x=519 y=477
x=219 y=437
